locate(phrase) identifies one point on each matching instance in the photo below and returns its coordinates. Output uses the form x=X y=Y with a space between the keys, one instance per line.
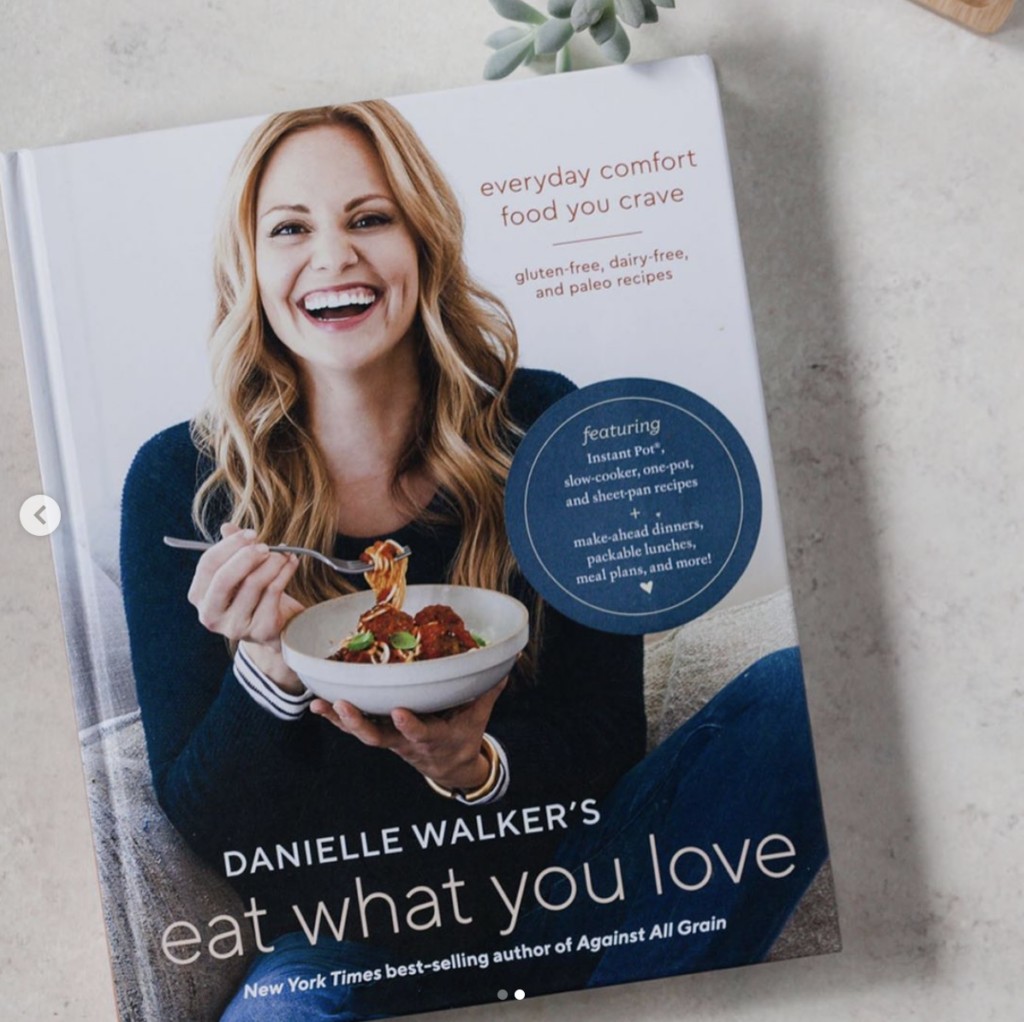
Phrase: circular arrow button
x=40 y=515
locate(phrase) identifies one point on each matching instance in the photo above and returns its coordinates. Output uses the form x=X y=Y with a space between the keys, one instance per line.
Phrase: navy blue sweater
x=232 y=777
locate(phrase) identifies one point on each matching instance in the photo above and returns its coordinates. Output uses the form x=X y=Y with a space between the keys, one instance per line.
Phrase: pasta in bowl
x=426 y=648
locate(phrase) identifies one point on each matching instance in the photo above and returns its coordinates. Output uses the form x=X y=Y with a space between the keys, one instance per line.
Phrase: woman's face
x=336 y=263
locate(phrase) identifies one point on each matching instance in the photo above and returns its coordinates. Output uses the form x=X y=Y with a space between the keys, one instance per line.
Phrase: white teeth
x=339 y=299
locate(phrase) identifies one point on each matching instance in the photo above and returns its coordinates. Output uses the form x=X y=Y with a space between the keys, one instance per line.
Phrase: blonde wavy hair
x=268 y=472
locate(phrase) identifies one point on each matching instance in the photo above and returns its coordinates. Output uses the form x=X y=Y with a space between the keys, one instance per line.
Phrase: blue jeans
x=716 y=835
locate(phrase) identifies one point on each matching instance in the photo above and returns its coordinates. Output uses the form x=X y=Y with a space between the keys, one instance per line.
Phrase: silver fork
x=337 y=563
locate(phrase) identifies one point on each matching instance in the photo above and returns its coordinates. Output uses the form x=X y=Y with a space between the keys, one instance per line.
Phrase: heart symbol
x=647 y=586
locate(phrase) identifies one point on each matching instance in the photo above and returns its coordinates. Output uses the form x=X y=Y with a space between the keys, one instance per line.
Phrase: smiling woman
x=342 y=208
x=336 y=263
x=364 y=386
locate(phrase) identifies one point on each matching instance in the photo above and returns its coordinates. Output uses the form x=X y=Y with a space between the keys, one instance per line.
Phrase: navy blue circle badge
x=633 y=506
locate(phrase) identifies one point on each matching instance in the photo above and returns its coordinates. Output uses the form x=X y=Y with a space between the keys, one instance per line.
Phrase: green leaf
x=617 y=48
x=517 y=10
x=504 y=36
x=630 y=11
x=478 y=639
x=504 y=61
x=603 y=30
x=553 y=35
x=650 y=11
x=560 y=8
x=402 y=640
x=588 y=12
x=359 y=642
x=563 y=60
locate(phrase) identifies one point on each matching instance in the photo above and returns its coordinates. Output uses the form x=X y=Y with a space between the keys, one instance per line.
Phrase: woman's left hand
x=448 y=749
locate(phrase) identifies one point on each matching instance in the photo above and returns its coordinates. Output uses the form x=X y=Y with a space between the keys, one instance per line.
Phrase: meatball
x=439 y=639
x=440 y=613
x=386 y=623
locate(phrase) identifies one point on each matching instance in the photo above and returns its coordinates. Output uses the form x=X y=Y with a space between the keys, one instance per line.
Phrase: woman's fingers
x=238 y=588
x=214 y=559
x=322 y=708
x=415 y=729
x=351 y=720
x=444 y=748
x=467 y=718
x=464 y=725
x=475 y=714
x=252 y=589
x=217 y=604
x=447 y=749
x=271 y=611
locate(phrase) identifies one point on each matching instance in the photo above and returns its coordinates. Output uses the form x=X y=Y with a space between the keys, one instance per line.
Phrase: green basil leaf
x=402 y=640
x=359 y=642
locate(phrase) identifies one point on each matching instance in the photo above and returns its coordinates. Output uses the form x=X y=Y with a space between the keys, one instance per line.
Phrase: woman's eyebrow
x=349 y=206
x=353 y=203
x=284 y=208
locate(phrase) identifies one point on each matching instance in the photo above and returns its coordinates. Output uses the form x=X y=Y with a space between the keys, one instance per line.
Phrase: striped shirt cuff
x=500 y=785
x=271 y=697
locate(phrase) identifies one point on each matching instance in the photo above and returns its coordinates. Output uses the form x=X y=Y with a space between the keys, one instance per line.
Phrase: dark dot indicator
x=502 y=995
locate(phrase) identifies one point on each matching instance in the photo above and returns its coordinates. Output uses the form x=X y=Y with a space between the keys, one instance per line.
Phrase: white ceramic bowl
x=423 y=686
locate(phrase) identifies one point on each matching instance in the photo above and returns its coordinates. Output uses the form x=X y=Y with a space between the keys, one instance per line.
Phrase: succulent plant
x=539 y=34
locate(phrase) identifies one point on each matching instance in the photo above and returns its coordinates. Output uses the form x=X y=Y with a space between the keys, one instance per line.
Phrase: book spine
x=47 y=387
x=28 y=266
x=78 y=603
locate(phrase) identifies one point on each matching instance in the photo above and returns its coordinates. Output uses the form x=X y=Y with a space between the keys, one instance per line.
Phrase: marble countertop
x=875 y=149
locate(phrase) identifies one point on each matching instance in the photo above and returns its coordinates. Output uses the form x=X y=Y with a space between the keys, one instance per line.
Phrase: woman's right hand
x=239 y=591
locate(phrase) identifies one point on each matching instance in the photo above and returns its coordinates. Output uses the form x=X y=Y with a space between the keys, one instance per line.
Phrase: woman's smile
x=335 y=260
x=339 y=308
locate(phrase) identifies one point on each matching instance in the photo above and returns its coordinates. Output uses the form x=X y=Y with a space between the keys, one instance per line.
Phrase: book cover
x=557 y=736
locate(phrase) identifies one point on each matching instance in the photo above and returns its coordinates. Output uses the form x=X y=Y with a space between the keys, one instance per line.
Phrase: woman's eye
x=284 y=230
x=365 y=220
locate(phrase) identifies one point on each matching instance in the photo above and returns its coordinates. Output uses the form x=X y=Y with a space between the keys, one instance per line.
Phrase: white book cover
x=506 y=326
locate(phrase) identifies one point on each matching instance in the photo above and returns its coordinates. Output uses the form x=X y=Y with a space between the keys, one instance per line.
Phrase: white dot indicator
x=520 y=994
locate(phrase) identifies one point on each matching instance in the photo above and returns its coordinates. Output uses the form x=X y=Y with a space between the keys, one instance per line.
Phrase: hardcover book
x=543 y=723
